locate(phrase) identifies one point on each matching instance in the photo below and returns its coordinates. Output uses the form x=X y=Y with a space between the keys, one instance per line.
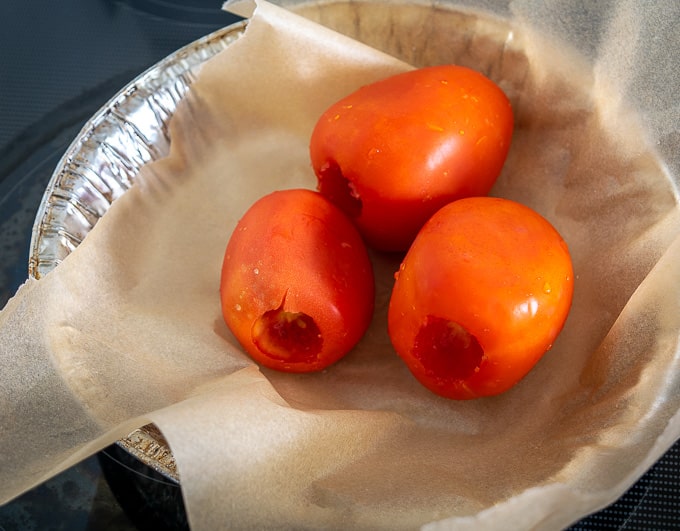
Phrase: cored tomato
x=297 y=287
x=481 y=295
x=395 y=151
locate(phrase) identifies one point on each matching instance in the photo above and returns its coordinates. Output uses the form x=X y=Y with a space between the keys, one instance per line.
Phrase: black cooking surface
x=60 y=62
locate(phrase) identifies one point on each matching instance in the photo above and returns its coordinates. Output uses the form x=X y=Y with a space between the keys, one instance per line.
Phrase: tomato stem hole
x=287 y=336
x=339 y=190
x=447 y=349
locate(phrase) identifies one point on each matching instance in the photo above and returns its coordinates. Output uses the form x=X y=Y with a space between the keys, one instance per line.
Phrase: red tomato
x=481 y=295
x=297 y=287
x=394 y=152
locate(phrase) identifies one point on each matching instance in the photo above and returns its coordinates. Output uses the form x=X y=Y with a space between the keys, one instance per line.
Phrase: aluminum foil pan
x=129 y=131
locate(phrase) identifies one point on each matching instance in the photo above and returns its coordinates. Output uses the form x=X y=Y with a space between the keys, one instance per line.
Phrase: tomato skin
x=499 y=271
x=395 y=151
x=296 y=258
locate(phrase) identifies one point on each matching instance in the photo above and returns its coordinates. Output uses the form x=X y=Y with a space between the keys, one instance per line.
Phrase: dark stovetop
x=60 y=62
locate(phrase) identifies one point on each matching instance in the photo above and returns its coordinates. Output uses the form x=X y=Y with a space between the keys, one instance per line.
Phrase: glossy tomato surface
x=395 y=151
x=481 y=295
x=297 y=286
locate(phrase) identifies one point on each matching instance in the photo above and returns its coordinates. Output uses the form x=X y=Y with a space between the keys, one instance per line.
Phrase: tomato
x=480 y=296
x=395 y=151
x=297 y=286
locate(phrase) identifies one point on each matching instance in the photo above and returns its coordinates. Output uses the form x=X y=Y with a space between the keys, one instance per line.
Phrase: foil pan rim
x=100 y=165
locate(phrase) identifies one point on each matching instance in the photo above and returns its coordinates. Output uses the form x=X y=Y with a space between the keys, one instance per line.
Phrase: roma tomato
x=481 y=295
x=297 y=287
x=395 y=151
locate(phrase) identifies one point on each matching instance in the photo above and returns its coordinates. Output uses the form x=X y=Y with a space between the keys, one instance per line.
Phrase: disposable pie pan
x=131 y=130
x=101 y=163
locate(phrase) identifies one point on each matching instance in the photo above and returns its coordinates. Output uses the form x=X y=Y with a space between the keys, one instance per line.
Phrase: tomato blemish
x=339 y=190
x=287 y=336
x=447 y=349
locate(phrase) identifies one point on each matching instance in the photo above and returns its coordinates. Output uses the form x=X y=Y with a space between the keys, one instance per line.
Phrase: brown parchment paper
x=127 y=330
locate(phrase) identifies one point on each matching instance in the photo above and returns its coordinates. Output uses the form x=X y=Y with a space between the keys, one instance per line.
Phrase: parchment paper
x=127 y=330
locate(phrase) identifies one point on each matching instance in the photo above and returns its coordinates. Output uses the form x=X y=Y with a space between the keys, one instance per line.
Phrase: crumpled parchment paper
x=128 y=330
